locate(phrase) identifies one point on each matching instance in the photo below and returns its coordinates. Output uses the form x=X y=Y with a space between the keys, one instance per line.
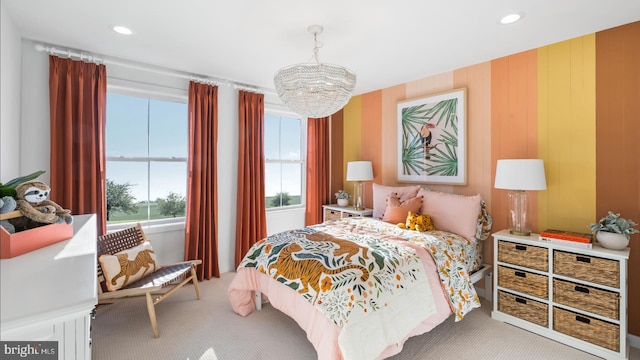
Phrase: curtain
x=318 y=169
x=251 y=219
x=201 y=228
x=77 y=98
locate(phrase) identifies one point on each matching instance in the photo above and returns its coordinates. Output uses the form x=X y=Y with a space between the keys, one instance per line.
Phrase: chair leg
x=194 y=279
x=152 y=316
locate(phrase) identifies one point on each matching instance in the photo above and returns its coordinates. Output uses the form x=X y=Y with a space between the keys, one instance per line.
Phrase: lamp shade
x=520 y=174
x=359 y=171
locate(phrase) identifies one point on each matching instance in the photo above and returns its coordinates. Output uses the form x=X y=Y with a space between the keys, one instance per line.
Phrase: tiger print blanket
x=359 y=271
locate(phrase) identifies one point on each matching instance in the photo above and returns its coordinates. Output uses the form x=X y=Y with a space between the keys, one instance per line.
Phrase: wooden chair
x=155 y=286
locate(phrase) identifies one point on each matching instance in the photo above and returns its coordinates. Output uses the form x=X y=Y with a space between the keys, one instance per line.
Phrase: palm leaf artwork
x=437 y=161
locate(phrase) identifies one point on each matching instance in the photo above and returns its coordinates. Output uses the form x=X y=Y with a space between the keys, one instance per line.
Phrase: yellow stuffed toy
x=417 y=222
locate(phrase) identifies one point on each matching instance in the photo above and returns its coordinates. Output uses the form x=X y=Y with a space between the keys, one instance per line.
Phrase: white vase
x=611 y=240
x=343 y=202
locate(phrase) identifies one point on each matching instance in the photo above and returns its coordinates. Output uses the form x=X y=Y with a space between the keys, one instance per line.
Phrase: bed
x=360 y=287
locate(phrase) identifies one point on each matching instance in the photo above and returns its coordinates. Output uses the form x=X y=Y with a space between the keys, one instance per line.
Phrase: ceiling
x=246 y=41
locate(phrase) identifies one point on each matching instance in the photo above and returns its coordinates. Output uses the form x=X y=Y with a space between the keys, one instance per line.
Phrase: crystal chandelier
x=315 y=89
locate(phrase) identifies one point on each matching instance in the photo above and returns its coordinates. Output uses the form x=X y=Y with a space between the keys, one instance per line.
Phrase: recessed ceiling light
x=510 y=19
x=122 y=30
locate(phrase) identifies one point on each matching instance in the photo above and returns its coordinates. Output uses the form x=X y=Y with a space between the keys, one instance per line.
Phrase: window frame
x=302 y=161
x=154 y=92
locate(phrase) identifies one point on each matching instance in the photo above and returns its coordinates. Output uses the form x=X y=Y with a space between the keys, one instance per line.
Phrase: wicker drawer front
x=331 y=215
x=349 y=215
x=525 y=309
x=587 y=328
x=523 y=281
x=532 y=257
x=601 y=302
x=587 y=268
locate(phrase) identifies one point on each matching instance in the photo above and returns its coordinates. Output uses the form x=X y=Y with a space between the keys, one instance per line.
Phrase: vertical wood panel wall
x=513 y=123
x=618 y=140
x=566 y=113
x=541 y=103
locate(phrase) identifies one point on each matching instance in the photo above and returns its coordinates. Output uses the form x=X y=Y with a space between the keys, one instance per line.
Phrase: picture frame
x=432 y=139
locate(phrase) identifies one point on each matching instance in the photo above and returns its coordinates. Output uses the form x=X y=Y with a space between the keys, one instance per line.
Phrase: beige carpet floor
x=209 y=330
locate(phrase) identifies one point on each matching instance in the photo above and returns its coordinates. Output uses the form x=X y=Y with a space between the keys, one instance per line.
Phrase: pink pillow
x=397 y=211
x=451 y=212
x=381 y=192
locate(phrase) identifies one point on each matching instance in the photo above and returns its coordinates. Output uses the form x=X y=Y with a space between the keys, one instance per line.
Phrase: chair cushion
x=163 y=276
x=128 y=266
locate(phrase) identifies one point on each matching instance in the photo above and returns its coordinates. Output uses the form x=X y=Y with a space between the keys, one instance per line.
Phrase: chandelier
x=315 y=89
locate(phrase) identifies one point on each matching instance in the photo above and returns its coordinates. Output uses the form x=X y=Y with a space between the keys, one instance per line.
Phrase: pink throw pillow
x=451 y=212
x=397 y=211
x=381 y=192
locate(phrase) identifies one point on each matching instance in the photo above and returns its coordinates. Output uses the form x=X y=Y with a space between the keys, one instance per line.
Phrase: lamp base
x=358 y=208
x=520 y=232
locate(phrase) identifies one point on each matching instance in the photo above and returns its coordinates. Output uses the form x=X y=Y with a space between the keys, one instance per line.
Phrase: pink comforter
x=321 y=331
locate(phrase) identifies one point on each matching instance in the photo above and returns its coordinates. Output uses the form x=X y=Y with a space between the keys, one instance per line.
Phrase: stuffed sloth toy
x=32 y=202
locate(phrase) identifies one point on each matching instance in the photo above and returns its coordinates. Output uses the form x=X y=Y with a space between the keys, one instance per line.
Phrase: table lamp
x=359 y=171
x=518 y=176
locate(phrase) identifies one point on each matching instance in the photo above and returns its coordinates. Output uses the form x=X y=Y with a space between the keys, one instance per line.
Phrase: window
x=284 y=146
x=146 y=151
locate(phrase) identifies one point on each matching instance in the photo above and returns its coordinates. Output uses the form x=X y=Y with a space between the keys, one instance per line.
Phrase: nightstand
x=576 y=296
x=335 y=212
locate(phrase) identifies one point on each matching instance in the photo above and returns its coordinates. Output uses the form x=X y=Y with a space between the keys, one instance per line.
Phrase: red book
x=566 y=235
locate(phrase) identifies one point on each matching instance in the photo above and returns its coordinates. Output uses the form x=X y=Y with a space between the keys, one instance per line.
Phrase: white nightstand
x=573 y=295
x=335 y=212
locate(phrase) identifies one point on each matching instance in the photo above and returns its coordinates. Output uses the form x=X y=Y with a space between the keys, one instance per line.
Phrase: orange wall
x=618 y=139
x=543 y=103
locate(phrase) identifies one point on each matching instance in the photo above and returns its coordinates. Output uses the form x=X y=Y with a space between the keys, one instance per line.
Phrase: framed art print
x=432 y=139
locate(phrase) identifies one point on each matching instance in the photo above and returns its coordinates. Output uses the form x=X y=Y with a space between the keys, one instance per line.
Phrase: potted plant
x=343 y=198
x=613 y=232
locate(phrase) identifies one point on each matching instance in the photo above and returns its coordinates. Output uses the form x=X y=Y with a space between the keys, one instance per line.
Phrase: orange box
x=12 y=245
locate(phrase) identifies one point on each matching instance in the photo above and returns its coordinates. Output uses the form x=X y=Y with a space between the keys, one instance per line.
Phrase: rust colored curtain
x=201 y=228
x=318 y=169
x=251 y=218
x=77 y=98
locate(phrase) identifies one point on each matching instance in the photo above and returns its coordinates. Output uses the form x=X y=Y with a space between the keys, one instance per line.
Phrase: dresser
x=574 y=295
x=49 y=294
x=335 y=212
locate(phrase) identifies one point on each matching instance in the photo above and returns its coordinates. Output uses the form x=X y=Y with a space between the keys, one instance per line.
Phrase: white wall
x=168 y=241
x=9 y=98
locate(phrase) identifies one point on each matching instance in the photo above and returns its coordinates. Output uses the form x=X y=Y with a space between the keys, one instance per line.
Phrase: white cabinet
x=573 y=295
x=335 y=212
x=49 y=294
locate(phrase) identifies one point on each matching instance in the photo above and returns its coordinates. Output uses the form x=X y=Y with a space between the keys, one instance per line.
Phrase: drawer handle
x=582 y=289
x=583 y=259
x=520 y=274
x=521 y=301
x=521 y=247
x=583 y=319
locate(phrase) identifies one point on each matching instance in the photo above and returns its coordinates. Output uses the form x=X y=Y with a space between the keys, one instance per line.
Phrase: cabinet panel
x=533 y=257
x=587 y=268
x=331 y=215
x=523 y=308
x=523 y=281
x=587 y=328
x=587 y=298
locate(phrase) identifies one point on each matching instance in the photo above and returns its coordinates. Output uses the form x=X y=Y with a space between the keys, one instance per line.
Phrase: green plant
x=342 y=195
x=615 y=224
x=9 y=188
x=174 y=204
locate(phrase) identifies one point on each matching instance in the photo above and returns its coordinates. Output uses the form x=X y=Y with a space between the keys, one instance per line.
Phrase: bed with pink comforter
x=359 y=287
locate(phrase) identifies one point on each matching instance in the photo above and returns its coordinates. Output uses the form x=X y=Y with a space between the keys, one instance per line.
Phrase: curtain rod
x=170 y=72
